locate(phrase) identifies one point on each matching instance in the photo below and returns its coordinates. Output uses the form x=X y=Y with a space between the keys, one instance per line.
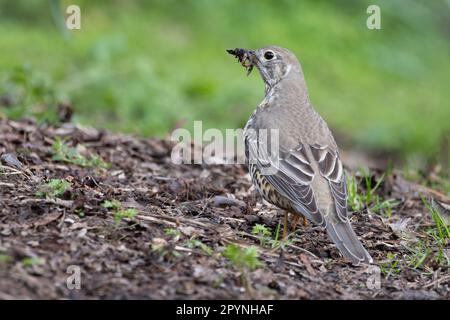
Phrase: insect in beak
x=245 y=58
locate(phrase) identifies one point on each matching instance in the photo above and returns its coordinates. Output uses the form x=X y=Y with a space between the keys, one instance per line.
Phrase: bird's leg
x=294 y=225
x=296 y=218
x=286 y=216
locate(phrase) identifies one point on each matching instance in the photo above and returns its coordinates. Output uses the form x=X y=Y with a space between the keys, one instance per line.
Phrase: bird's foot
x=296 y=220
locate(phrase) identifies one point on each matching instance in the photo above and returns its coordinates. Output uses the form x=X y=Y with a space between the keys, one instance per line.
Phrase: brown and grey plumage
x=304 y=175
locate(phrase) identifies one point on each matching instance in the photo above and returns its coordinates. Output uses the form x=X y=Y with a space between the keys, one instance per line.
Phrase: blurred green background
x=142 y=66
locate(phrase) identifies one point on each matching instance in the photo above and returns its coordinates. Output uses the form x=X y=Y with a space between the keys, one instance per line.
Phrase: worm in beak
x=245 y=58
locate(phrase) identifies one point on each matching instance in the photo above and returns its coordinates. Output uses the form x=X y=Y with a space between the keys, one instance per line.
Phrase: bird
x=291 y=154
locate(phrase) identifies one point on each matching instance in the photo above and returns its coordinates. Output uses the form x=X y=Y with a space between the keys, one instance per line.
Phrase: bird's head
x=274 y=63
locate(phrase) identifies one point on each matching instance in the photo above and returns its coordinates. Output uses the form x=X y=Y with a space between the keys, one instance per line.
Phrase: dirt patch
x=139 y=226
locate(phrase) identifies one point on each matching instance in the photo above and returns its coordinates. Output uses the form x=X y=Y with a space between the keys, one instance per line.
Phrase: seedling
x=163 y=248
x=63 y=153
x=391 y=266
x=112 y=204
x=418 y=254
x=53 y=189
x=124 y=213
x=441 y=230
x=120 y=212
x=431 y=249
x=242 y=258
x=80 y=212
x=354 y=198
x=280 y=244
x=173 y=233
x=195 y=243
x=370 y=191
x=4 y=258
x=262 y=232
x=358 y=200
x=29 y=262
x=384 y=207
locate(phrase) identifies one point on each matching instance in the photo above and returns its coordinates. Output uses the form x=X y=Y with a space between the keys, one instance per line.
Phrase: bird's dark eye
x=269 y=55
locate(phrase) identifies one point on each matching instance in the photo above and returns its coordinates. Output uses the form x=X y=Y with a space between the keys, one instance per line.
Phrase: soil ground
x=186 y=216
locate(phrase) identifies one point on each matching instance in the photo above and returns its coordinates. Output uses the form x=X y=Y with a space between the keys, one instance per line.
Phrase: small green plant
x=55 y=188
x=431 y=249
x=354 y=198
x=172 y=232
x=368 y=196
x=243 y=258
x=390 y=266
x=112 y=204
x=262 y=232
x=80 y=212
x=246 y=259
x=384 y=207
x=191 y=243
x=34 y=261
x=164 y=249
x=120 y=212
x=369 y=199
x=441 y=230
x=195 y=243
x=419 y=252
x=62 y=152
x=282 y=244
x=124 y=213
x=4 y=258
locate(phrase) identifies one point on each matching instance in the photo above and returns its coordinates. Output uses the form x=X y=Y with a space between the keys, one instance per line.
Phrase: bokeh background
x=147 y=66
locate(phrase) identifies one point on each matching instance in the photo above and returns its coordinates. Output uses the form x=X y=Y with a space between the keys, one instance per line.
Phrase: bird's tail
x=347 y=242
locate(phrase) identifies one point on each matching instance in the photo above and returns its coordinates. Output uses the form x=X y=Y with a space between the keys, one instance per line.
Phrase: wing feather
x=330 y=167
x=291 y=175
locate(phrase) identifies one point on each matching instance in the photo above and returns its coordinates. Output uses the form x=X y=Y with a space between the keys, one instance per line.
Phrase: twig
x=155 y=220
x=4 y=184
x=14 y=171
x=59 y=202
x=438 y=281
x=178 y=220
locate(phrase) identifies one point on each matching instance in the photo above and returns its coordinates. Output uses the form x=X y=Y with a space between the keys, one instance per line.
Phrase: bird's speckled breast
x=266 y=190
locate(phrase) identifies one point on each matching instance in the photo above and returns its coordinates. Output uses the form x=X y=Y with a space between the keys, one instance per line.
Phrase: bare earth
x=216 y=205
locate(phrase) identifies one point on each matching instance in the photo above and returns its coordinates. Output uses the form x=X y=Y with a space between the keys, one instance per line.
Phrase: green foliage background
x=142 y=66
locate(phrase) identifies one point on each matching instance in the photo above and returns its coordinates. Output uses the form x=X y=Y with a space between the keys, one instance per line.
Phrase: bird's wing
x=290 y=174
x=330 y=167
x=337 y=222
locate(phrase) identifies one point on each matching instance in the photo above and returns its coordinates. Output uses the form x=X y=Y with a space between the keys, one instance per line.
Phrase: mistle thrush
x=305 y=177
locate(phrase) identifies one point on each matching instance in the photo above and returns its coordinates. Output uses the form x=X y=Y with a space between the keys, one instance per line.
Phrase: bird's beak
x=246 y=58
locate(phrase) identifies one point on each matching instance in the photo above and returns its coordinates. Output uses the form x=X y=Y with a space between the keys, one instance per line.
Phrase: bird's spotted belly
x=266 y=190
